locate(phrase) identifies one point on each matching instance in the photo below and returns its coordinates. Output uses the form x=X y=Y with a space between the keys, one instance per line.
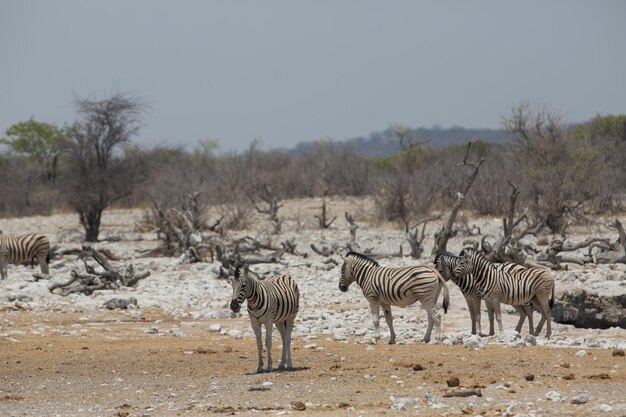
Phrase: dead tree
x=600 y=250
x=446 y=232
x=94 y=280
x=613 y=252
x=273 y=203
x=352 y=245
x=322 y=218
x=507 y=248
x=181 y=230
x=411 y=234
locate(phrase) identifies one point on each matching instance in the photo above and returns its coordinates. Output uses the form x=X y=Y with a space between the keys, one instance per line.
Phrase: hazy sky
x=290 y=71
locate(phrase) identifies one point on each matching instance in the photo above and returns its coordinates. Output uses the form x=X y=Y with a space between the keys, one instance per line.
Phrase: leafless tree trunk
x=273 y=204
x=322 y=218
x=94 y=280
x=446 y=232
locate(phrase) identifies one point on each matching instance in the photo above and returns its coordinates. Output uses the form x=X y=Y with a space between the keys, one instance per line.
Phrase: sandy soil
x=110 y=366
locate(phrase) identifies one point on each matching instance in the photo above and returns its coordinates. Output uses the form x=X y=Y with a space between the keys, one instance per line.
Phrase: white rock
x=581 y=352
x=603 y=407
x=215 y=327
x=474 y=342
x=554 y=396
x=580 y=399
x=235 y=334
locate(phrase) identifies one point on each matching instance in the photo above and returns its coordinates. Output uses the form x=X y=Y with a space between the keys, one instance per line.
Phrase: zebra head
x=445 y=264
x=347 y=277
x=239 y=276
x=462 y=268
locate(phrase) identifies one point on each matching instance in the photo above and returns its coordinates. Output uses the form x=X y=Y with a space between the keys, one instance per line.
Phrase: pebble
x=581 y=353
x=603 y=407
x=580 y=399
x=554 y=396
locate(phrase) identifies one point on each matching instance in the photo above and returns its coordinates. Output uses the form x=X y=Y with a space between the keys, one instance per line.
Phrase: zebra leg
x=470 y=307
x=431 y=322
x=542 y=321
x=490 y=316
x=256 y=327
x=477 y=313
x=522 y=317
x=3 y=269
x=282 y=329
x=389 y=320
x=498 y=313
x=529 y=312
x=375 y=309
x=289 y=328
x=43 y=264
x=268 y=344
x=544 y=309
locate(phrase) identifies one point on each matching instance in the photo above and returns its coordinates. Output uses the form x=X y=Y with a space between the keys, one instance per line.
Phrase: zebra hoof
x=392 y=342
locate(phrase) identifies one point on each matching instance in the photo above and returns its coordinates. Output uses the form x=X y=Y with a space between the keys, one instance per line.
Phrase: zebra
x=271 y=301
x=401 y=286
x=511 y=285
x=445 y=264
x=17 y=249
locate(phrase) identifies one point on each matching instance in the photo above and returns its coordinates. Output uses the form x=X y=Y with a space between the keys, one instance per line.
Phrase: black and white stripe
x=388 y=287
x=274 y=300
x=445 y=264
x=511 y=285
x=18 y=249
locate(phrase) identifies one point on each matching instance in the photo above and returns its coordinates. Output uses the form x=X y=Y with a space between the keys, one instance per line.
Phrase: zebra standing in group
x=271 y=301
x=17 y=249
x=401 y=286
x=515 y=286
x=446 y=263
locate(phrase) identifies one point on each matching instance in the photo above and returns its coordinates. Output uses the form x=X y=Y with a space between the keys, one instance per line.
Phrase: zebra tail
x=446 y=295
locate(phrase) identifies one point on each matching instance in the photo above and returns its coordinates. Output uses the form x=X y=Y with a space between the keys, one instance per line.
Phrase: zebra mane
x=362 y=257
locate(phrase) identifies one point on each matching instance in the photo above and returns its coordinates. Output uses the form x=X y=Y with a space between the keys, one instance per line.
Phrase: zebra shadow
x=280 y=371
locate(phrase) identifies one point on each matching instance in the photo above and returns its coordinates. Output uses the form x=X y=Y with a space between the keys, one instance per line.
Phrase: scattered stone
x=216 y=328
x=581 y=353
x=474 y=342
x=618 y=352
x=298 y=405
x=235 y=333
x=603 y=407
x=453 y=382
x=529 y=377
x=120 y=303
x=554 y=396
x=152 y=330
x=418 y=367
x=569 y=377
x=580 y=399
x=252 y=389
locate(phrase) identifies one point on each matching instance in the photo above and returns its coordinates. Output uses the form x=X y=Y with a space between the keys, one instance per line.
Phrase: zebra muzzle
x=343 y=288
x=235 y=306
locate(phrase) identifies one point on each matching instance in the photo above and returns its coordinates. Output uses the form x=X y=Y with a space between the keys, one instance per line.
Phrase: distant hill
x=385 y=143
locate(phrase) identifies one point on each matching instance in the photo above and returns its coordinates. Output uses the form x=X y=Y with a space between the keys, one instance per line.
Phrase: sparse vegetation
x=563 y=172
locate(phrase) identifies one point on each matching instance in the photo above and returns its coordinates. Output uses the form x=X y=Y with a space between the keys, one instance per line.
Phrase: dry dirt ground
x=110 y=366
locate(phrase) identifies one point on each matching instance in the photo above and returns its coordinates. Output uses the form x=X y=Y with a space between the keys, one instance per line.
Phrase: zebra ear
x=246 y=268
x=343 y=258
